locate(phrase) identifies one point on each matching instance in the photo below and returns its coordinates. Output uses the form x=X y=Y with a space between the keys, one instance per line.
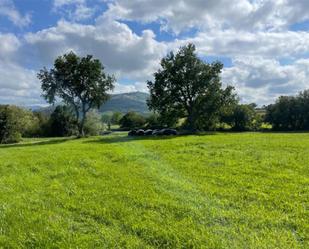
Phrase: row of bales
x=150 y=132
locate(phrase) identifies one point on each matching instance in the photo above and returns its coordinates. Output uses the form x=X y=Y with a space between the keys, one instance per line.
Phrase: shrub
x=132 y=120
x=94 y=125
x=62 y=122
x=14 y=122
x=153 y=121
x=116 y=117
x=289 y=112
x=243 y=118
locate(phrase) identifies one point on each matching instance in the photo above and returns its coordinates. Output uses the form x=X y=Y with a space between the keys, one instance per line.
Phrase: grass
x=227 y=190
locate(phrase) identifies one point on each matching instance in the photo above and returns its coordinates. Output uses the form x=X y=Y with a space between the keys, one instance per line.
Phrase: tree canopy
x=186 y=87
x=242 y=117
x=16 y=122
x=289 y=112
x=132 y=120
x=78 y=82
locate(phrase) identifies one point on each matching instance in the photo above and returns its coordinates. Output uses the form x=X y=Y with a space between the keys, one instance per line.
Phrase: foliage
x=62 y=122
x=243 y=118
x=42 y=128
x=186 y=87
x=79 y=82
x=289 y=112
x=106 y=118
x=16 y=122
x=132 y=120
x=94 y=125
x=153 y=121
x=225 y=190
x=116 y=117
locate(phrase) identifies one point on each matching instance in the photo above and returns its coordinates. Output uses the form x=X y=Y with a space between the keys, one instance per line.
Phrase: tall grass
x=240 y=190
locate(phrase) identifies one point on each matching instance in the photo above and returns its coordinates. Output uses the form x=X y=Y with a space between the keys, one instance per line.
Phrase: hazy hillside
x=135 y=101
x=124 y=102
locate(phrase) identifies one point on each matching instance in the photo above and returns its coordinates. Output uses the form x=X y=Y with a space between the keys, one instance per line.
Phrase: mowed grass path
x=246 y=190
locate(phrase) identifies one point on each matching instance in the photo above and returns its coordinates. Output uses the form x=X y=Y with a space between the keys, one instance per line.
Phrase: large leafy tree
x=187 y=87
x=78 y=82
x=289 y=112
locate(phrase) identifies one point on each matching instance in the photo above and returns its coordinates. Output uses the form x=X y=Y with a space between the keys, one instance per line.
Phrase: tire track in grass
x=178 y=201
x=169 y=181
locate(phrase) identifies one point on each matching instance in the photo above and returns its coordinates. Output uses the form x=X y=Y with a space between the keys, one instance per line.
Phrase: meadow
x=220 y=190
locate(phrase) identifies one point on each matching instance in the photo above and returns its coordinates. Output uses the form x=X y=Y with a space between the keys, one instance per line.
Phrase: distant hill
x=124 y=102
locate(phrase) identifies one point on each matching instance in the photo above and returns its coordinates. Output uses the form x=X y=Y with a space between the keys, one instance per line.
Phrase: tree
x=79 y=82
x=14 y=123
x=243 y=117
x=116 y=118
x=94 y=125
x=153 y=121
x=62 y=122
x=289 y=112
x=132 y=120
x=186 y=87
x=43 y=124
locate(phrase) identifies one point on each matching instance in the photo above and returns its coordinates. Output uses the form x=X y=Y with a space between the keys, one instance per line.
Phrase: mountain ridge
x=120 y=102
x=125 y=102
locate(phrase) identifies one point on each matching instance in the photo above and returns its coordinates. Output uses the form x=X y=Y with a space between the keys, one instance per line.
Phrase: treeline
x=186 y=94
x=289 y=113
x=17 y=122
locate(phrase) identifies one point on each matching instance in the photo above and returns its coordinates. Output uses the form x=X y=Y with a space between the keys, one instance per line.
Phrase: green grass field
x=237 y=190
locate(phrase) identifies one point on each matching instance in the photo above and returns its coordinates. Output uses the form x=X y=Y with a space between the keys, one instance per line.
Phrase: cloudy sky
x=264 y=44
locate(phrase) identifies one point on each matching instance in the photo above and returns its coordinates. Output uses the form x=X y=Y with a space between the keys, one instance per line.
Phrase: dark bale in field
x=169 y=132
x=156 y=132
x=132 y=133
x=148 y=132
x=140 y=132
x=104 y=133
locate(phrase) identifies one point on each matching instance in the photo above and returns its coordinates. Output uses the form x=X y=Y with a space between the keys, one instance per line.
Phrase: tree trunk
x=191 y=121
x=81 y=126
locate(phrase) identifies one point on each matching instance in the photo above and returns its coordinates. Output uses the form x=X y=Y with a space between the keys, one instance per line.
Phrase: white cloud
x=236 y=43
x=121 y=51
x=9 y=45
x=18 y=85
x=213 y=14
x=178 y=15
x=262 y=80
x=8 y=10
x=253 y=33
x=60 y=3
x=74 y=10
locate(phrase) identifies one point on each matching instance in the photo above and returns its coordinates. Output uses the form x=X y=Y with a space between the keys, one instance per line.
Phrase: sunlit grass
x=240 y=190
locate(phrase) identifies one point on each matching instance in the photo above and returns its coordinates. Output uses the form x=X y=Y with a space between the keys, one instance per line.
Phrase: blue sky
x=264 y=45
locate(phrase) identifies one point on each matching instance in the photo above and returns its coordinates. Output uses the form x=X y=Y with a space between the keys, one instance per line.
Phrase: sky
x=264 y=44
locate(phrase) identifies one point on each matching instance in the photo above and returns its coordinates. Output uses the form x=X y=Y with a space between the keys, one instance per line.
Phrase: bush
x=94 y=125
x=243 y=118
x=289 y=112
x=116 y=117
x=153 y=121
x=15 y=122
x=62 y=122
x=132 y=120
x=43 y=125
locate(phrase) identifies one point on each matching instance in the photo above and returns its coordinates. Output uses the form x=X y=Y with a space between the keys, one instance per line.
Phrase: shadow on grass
x=126 y=139
x=38 y=143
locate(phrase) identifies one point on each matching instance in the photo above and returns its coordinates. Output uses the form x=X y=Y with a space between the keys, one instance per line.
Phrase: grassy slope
x=214 y=191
